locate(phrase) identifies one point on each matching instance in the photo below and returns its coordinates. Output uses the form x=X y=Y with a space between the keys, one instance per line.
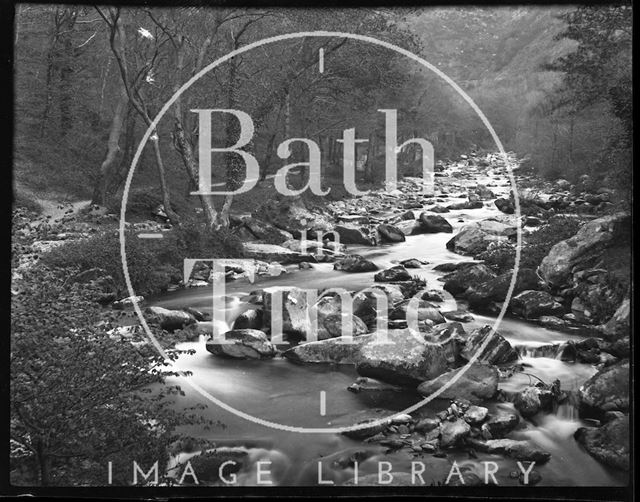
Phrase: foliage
x=81 y=398
x=152 y=264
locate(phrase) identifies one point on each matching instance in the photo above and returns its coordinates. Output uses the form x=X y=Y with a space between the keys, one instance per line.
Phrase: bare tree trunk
x=106 y=168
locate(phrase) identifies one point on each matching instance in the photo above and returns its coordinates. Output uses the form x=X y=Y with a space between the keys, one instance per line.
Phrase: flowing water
x=279 y=391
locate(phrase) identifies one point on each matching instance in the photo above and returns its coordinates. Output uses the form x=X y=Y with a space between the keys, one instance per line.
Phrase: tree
x=79 y=397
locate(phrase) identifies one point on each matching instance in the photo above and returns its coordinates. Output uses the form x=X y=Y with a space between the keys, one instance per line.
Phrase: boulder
x=408 y=227
x=245 y=344
x=471 y=275
x=475 y=414
x=476 y=384
x=439 y=209
x=618 y=327
x=433 y=224
x=583 y=249
x=412 y=263
x=354 y=264
x=169 y=320
x=518 y=450
x=295 y=309
x=452 y=433
x=500 y=424
x=534 y=304
x=607 y=390
x=273 y=252
x=495 y=289
x=332 y=324
x=609 y=444
x=405 y=361
x=331 y=351
x=476 y=237
x=393 y=274
x=497 y=351
x=351 y=234
x=423 y=312
x=389 y=233
x=477 y=204
x=249 y=319
x=505 y=205
x=532 y=400
x=458 y=315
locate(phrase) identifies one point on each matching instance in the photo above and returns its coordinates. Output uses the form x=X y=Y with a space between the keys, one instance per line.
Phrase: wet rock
x=249 y=319
x=475 y=414
x=518 y=450
x=330 y=351
x=501 y=424
x=406 y=361
x=439 y=209
x=295 y=309
x=497 y=351
x=505 y=205
x=353 y=235
x=354 y=264
x=412 y=263
x=421 y=311
x=609 y=444
x=618 y=326
x=364 y=430
x=333 y=325
x=532 y=400
x=452 y=433
x=197 y=314
x=460 y=280
x=389 y=233
x=534 y=304
x=427 y=425
x=607 y=390
x=433 y=224
x=408 y=227
x=393 y=274
x=478 y=383
x=496 y=289
x=243 y=344
x=458 y=315
x=476 y=237
x=552 y=322
x=433 y=295
x=583 y=249
x=169 y=320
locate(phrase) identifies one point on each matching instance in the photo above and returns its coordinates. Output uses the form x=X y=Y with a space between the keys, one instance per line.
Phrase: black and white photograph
x=330 y=249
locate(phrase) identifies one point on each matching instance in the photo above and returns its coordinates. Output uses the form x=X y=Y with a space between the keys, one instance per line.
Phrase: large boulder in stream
x=584 y=249
x=497 y=351
x=389 y=233
x=407 y=360
x=393 y=274
x=331 y=351
x=609 y=444
x=294 y=313
x=478 y=383
x=607 y=390
x=354 y=264
x=467 y=276
x=534 y=304
x=433 y=224
x=476 y=237
x=169 y=320
x=351 y=234
x=243 y=344
x=495 y=289
x=532 y=400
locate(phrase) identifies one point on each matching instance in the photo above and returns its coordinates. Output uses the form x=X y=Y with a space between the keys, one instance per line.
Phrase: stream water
x=286 y=393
